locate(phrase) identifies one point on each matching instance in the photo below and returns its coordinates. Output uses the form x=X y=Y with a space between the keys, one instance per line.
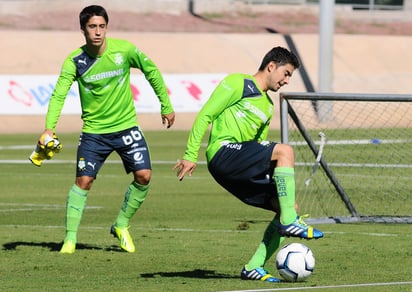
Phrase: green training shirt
x=238 y=110
x=104 y=86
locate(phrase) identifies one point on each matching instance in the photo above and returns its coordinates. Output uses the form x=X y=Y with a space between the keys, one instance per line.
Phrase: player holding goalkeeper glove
x=102 y=70
x=45 y=148
x=258 y=172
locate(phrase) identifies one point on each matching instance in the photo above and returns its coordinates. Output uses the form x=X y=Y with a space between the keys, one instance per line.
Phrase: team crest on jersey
x=118 y=59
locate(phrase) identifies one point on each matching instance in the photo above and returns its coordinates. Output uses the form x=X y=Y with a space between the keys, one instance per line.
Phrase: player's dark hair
x=280 y=56
x=90 y=11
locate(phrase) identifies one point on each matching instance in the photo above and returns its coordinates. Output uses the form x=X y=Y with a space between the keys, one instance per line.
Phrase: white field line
x=60 y=161
x=326 y=287
x=355 y=142
x=194 y=230
x=298 y=143
x=370 y=165
x=17 y=147
x=14 y=207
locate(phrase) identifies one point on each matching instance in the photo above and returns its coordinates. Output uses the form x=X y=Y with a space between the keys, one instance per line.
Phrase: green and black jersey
x=238 y=110
x=104 y=87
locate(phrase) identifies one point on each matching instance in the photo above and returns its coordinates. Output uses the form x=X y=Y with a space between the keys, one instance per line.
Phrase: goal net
x=353 y=155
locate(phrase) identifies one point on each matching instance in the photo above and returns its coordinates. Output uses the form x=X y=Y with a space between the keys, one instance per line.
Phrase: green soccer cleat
x=126 y=241
x=68 y=247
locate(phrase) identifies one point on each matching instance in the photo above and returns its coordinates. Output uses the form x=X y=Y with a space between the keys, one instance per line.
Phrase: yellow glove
x=52 y=145
x=45 y=150
x=38 y=155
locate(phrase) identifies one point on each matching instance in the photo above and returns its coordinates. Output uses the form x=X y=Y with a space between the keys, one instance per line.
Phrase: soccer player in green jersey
x=258 y=172
x=102 y=70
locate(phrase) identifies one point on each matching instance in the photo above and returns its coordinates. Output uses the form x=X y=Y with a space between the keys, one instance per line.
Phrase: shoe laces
x=262 y=271
x=301 y=222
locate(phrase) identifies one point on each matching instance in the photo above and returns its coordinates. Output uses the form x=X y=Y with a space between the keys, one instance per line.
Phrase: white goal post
x=356 y=164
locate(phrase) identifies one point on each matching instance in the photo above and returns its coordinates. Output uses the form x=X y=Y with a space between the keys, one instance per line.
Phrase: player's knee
x=84 y=182
x=143 y=177
x=283 y=152
x=288 y=151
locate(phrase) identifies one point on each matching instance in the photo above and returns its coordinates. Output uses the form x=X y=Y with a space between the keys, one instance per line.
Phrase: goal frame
x=287 y=111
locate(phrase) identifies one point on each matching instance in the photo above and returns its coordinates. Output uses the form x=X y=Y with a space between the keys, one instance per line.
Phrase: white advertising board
x=30 y=94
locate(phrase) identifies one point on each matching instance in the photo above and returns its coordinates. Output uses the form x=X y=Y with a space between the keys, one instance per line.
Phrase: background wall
x=361 y=63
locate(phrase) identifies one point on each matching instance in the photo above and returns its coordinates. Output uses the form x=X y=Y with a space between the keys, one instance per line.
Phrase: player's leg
x=270 y=243
x=245 y=171
x=284 y=177
x=75 y=204
x=91 y=154
x=271 y=240
x=136 y=160
x=255 y=268
x=133 y=199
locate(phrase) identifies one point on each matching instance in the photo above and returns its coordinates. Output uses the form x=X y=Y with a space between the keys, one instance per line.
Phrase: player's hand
x=50 y=143
x=46 y=133
x=47 y=145
x=169 y=119
x=184 y=167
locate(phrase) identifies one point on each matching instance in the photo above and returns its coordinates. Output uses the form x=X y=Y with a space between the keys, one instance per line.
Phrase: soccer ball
x=295 y=262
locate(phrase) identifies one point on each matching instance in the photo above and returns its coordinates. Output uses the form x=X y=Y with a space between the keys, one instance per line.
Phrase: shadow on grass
x=198 y=274
x=55 y=247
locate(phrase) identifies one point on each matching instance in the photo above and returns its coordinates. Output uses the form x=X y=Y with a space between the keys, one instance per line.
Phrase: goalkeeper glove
x=45 y=150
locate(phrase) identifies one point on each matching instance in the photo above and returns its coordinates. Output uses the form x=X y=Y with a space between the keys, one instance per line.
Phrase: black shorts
x=246 y=171
x=93 y=150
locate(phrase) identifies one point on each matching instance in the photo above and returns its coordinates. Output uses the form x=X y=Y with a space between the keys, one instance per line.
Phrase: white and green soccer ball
x=295 y=262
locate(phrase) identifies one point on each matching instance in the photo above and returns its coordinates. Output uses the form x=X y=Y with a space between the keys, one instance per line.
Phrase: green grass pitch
x=190 y=235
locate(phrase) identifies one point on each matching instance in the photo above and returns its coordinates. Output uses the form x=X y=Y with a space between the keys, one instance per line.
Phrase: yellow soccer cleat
x=68 y=247
x=126 y=241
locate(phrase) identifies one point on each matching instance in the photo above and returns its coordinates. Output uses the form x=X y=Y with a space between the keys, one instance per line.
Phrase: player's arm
x=58 y=97
x=48 y=143
x=222 y=97
x=155 y=78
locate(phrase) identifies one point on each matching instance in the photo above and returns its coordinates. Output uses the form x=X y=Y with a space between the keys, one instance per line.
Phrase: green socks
x=270 y=243
x=133 y=198
x=285 y=183
x=76 y=202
